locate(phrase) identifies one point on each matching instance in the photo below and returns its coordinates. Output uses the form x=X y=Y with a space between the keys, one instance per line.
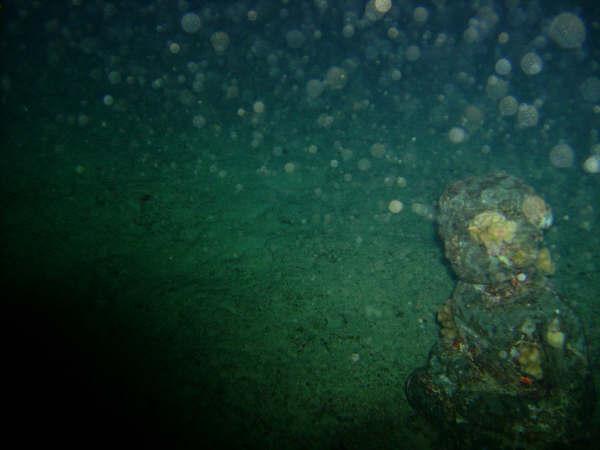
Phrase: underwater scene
x=301 y=224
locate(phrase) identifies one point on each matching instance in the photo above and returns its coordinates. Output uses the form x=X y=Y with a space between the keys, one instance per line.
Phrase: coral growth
x=544 y=262
x=530 y=360
x=493 y=230
x=537 y=211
